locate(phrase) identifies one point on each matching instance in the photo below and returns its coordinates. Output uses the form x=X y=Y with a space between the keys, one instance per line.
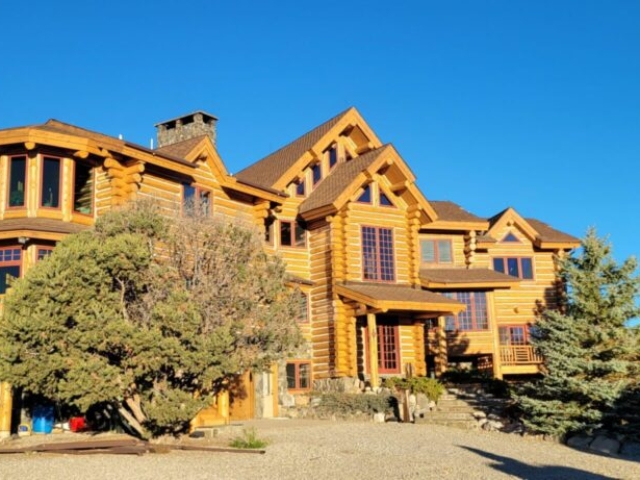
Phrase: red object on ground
x=77 y=424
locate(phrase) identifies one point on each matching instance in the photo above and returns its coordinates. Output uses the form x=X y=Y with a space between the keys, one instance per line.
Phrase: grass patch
x=249 y=440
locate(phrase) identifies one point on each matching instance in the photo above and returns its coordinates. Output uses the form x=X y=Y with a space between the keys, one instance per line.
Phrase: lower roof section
x=43 y=228
x=385 y=297
x=457 y=278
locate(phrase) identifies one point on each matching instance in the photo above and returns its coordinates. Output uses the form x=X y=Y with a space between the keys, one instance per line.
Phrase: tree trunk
x=133 y=423
x=134 y=405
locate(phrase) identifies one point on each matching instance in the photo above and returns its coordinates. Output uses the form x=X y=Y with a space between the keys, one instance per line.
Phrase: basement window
x=299 y=376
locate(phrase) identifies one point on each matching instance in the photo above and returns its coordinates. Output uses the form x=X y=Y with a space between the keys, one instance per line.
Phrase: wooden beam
x=29 y=145
x=81 y=154
x=372 y=329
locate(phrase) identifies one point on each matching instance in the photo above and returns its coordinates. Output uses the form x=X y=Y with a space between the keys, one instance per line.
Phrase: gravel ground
x=305 y=449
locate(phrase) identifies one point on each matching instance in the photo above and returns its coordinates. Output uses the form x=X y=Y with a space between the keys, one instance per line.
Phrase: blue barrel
x=42 y=421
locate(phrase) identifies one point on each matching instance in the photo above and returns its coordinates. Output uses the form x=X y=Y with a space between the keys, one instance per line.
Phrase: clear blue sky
x=530 y=104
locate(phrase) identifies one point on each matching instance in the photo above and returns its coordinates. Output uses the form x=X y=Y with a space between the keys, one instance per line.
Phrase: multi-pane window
x=513 y=335
x=83 y=188
x=299 y=375
x=303 y=312
x=377 y=254
x=195 y=197
x=50 y=185
x=17 y=180
x=474 y=317
x=44 y=252
x=292 y=234
x=10 y=262
x=436 y=251
x=520 y=267
x=388 y=351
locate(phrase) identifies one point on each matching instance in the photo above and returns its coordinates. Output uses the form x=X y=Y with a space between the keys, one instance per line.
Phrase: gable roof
x=343 y=175
x=465 y=278
x=453 y=216
x=551 y=235
x=269 y=169
x=181 y=149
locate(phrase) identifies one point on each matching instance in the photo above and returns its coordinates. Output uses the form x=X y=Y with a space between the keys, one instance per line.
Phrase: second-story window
x=83 y=188
x=474 y=317
x=292 y=234
x=303 y=313
x=365 y=196
x=17 y=180
x=333 y=156
x=301 y=190
x=50 y=185
x=519 y=267
x=10 y=263
x=44 y=252
x=436 y=251
x=316 y=172
x=194 y=197
x=377 y=254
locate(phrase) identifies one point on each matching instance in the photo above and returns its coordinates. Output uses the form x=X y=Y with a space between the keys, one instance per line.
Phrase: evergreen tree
x=590 y=354
x=150 y=314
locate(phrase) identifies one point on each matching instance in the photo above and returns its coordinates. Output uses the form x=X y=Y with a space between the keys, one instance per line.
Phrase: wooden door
x=242 y=398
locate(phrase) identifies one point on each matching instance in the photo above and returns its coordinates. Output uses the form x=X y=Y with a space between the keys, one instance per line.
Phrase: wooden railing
x=519 y=355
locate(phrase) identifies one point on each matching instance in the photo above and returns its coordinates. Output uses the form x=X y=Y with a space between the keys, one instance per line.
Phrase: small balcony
x=519 y=355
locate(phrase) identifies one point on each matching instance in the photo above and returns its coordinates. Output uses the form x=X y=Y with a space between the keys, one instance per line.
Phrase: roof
x=181 y=149
x=462 y=277
x=549 y=234
x=40 y=225
x=398 y=297
x=452 y=212
x=267 y=171
x=340 y=178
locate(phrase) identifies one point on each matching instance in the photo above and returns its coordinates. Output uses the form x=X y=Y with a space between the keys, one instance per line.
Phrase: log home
x=393 y=282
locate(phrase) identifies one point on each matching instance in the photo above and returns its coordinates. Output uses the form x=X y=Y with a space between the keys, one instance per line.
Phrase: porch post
x=6 y=405
x=497 y=359
x=372 y=328
x=442 y=354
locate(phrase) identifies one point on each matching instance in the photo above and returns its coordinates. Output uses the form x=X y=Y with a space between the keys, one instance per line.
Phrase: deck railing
x=519 y=355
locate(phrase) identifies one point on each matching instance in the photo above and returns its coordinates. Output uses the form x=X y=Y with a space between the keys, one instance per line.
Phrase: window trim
x=43 y=157
x=293 y=225
x=197 y=194
x=26 y=182
x=436 y=251
x=333 y=148
x=297 y=363
x=520 y=269
x=378 y=267
x=12 y=263
x=365 y=190
x=315 y=181
x=301 y=182
x=306 y=310
x=473 y=312
x=40 y=248
x=525 y=336
x=382 y=349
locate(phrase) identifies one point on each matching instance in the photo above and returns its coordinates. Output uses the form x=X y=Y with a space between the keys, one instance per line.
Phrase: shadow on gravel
x=530 y=472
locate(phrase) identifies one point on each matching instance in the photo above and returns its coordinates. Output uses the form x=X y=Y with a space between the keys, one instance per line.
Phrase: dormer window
x=333 y=156
x=510 y=238
x=365 y=196
x=316 y=173
x=301 y=188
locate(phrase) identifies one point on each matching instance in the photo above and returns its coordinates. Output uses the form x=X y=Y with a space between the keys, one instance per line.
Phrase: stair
x=456 y=410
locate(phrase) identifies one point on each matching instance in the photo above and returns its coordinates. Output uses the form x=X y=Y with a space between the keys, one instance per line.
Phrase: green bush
x=431 y=387
x=347 y=403
x=248 y=440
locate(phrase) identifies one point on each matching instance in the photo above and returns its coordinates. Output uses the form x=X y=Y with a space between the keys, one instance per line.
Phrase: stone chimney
x=186 y=127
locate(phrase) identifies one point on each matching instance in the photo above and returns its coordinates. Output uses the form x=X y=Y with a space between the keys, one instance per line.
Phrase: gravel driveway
x=305 y=449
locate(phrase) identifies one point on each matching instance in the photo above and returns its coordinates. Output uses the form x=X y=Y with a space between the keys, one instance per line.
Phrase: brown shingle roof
x=340 y=178
x=485 y=239
x=549 y=234
x=40 y=225
x=397 y=293
x=267 y=171
x=463 y=275
x=452 y=212
x=181 y=149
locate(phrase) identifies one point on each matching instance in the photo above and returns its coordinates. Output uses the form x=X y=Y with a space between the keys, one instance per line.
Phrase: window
x=365 y=196
x=268 y=230
x=10 y=262
x=299 y=375
x=316 y=171
x=377 y=254
x=50 y=192
x=333 y=156
x=436 y=251
x=44 y=252
x=292 y=234
x=513 y=335
x=520 y=267
x=195 y=197
x=474 y=317
x=388 y=351
x=303 y=315
x=510 y=238
x=384 y=200
x=17 y=180
x=83 y=188
x=301 y=187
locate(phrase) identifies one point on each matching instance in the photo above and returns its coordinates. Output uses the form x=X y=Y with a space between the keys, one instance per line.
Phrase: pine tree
x=591 y=356
x=149 y=314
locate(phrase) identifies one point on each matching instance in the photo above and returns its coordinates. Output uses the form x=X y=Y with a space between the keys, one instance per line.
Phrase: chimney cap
x=205 y=116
